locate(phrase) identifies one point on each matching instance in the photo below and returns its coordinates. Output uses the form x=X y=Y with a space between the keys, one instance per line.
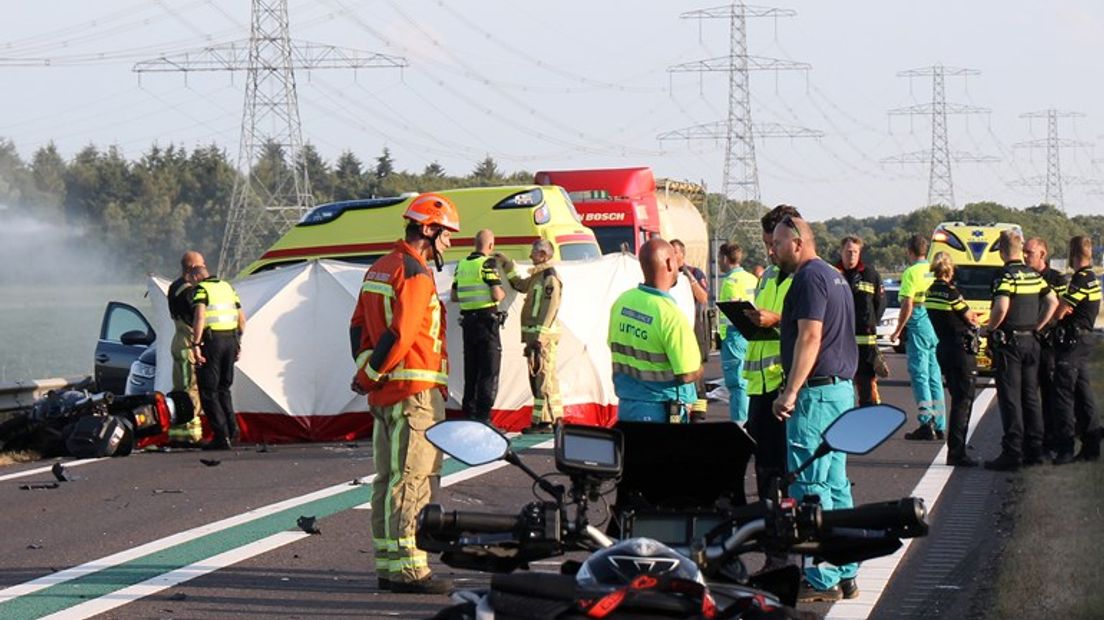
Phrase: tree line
x=885 y=236
x=141 y=214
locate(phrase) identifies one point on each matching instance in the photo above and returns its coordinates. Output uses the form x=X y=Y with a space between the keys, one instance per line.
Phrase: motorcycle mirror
x=470 y=442
x=855 y=431
x=860 y=430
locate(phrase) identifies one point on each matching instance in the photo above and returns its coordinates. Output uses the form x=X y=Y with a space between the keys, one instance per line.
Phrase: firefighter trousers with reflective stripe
x=544 y=382
x=405 y=464
x=184 y=380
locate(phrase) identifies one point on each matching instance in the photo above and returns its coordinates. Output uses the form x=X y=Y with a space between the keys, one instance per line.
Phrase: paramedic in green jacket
x=736 y=285
x=920 y=343
x=655 y=355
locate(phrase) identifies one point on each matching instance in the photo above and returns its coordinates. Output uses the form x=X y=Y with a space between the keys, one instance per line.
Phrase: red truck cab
x=618 y=204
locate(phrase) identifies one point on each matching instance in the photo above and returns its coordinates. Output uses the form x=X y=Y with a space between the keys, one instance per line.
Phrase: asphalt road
x=164 y=536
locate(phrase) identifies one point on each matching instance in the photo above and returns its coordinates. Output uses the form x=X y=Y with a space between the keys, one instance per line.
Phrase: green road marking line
x=94 y=585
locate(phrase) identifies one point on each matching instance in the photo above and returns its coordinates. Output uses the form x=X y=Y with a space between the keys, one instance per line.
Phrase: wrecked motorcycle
x=86 y=424
x=687 y=533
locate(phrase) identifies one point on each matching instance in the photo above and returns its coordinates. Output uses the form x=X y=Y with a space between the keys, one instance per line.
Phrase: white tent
x=292 y=381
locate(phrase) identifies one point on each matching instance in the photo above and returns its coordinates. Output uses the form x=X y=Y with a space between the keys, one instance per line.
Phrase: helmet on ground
x=428 y=209
x=618 y=565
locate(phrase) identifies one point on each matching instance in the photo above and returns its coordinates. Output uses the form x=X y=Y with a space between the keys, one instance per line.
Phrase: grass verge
x=1052 y=565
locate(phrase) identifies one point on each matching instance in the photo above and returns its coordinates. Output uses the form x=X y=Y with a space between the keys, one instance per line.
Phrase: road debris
x=307 y=525
x=61 y=473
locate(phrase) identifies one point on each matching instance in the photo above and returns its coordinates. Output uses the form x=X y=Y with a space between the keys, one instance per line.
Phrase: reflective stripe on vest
x=763 y=364
x=221 y=314
x=472 y=292
x=758 y=365
x=866 y=339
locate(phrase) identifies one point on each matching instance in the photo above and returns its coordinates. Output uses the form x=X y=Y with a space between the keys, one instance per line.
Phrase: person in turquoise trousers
x=820 y=357
x=920 y=343
x=736 y=285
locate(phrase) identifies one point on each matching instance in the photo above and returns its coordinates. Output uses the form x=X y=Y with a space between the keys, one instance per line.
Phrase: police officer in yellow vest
x=180 y=296
x=763 y=364
x=736 y=285
x=655 y=355
x=217 y=329
x=540 y=332
x=478 y=289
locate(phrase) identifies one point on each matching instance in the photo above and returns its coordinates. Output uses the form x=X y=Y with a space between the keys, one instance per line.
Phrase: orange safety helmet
x=430 y=208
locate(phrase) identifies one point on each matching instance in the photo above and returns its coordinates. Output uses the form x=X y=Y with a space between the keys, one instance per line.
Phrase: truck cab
x=625 y=207
x=618 y=204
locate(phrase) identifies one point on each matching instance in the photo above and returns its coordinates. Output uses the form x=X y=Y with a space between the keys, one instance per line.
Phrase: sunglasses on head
x=789 y=222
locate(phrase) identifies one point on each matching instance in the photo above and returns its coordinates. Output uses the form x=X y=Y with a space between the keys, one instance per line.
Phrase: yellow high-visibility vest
x=763 y=364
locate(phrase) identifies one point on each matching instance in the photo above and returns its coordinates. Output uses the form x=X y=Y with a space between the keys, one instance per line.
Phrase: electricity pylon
x=1053 y=181
x=270 y=195
x=940 y=183
x=741 y=208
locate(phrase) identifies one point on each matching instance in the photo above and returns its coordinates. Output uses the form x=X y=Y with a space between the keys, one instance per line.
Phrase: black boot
x=1090 y=447
x=925 y=432
x=962 y=460
x=1004 y=462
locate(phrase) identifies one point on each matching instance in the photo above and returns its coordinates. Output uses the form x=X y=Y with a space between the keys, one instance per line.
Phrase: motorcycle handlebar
x=904 y=514
x=435 y=520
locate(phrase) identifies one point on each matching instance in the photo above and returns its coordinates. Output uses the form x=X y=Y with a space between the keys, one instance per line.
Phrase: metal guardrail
x=22 y=394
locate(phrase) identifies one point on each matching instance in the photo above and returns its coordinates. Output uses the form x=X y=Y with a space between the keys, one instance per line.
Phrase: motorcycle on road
x=670 y=549
x=85 y=424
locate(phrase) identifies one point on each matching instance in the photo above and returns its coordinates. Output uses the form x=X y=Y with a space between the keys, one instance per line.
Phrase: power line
x=940 y=156
x=1053 y=180
x=269 y=197
x=740 y=180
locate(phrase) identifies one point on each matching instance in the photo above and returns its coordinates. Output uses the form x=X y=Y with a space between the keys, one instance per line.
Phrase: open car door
x=124 y=335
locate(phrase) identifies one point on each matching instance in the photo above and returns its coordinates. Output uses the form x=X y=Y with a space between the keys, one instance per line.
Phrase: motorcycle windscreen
x=683 y=466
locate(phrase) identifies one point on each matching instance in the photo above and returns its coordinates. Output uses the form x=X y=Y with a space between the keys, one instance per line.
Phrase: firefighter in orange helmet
x=398 y=337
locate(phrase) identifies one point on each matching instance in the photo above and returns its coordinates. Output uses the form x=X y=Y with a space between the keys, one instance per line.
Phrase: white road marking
x=167 y=580
x=122 y=557
x=152 y=586
x=46 y=470
x=874 y=575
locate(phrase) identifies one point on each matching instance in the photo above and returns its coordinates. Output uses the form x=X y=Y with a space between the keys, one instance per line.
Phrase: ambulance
x=973 y=248
x=361 y=231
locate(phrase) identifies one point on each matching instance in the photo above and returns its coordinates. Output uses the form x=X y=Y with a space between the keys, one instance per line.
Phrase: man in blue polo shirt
x=819 y=358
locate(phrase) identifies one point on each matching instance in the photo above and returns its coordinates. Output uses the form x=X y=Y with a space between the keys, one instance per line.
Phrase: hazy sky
x=543 y=85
